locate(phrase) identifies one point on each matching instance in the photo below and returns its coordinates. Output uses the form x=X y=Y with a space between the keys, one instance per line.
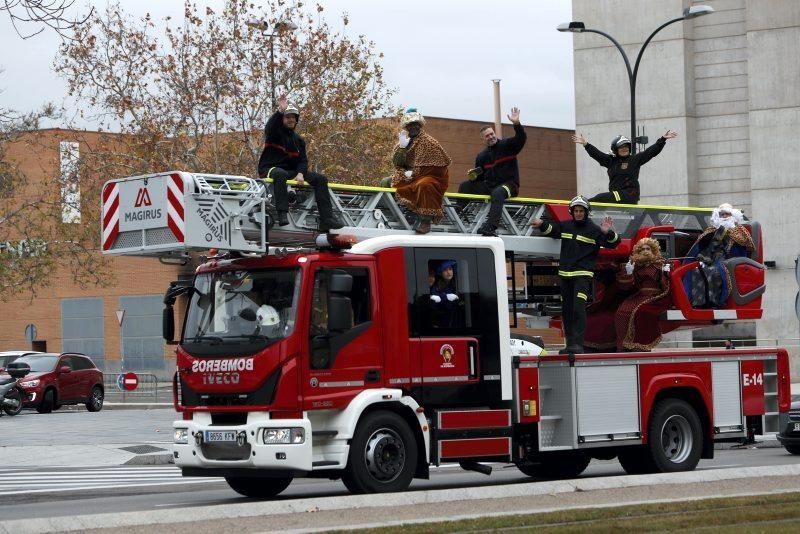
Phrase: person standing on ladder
x=284 y=157
x=581 y=240
x=496 y=171
x=623 y=168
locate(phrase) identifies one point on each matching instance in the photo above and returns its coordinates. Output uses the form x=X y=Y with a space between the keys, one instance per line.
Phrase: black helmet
x=618 y=141
x=579 y=200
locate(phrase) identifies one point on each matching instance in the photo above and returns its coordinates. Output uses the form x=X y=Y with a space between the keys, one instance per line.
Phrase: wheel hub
x=385 y=455
x=676 y=438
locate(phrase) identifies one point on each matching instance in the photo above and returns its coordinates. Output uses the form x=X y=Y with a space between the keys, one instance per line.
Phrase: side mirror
x=64 y=369
x=340 y=318
x=168 y=324
x=340 y=282
x=248 y=314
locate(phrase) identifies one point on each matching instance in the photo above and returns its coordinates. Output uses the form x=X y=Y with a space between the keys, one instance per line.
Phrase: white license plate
x=217 y=435
x=797 y=427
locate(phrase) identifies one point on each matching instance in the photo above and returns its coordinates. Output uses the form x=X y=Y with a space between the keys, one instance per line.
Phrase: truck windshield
x=250 y=309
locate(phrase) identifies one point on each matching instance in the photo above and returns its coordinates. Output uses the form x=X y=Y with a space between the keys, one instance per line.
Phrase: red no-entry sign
x=130 y=381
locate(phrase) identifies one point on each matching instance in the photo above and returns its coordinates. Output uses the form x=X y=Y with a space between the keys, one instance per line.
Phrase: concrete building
x=119 y=326
x=727 y=82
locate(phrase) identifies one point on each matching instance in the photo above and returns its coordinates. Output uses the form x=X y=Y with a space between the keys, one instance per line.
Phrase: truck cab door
x=344 y=354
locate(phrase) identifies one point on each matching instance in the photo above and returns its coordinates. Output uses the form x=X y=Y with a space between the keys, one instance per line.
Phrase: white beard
x=726 y=222
x=735 y=218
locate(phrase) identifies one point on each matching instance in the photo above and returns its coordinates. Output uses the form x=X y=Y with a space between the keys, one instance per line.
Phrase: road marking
x=22 y=481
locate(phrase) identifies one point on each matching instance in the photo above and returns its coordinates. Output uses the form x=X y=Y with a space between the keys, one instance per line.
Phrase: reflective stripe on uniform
x=549 y=229
x=582 y=295
x=565 y=235
x=508 y=191
x=571 y=274
x=615 y=239
x=269 y=173
x=585 y=239
x=616 y=195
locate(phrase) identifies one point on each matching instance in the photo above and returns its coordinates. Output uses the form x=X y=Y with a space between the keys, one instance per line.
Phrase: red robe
x=636 y=320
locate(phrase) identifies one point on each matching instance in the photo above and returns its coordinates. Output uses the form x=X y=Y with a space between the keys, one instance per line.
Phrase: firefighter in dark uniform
x=581 y=240
x=284 y=158
x=496 y=171
x=623 y=169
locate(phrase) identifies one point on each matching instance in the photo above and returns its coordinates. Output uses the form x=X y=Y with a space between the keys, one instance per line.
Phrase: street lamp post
x=277 y=28
x=580 y=27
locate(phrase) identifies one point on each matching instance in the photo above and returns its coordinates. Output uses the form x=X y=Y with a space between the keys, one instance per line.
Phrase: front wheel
x=383 y=455
x=95 y=403
x=557 y=465
x=48 y=402
x=675 y=436
x=792 y=449
x=12 y=404
x=258 y=487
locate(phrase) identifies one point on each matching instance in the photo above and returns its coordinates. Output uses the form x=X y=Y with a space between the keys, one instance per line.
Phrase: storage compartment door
x=608 y=403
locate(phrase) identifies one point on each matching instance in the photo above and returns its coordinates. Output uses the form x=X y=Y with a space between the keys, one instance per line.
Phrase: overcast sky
x=440 y=55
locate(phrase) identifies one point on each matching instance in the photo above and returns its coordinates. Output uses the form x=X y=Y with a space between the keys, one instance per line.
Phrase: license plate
x=797 y=427
x=217 y=435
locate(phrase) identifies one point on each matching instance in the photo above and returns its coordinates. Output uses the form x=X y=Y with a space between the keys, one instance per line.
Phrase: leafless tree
x=43 y=14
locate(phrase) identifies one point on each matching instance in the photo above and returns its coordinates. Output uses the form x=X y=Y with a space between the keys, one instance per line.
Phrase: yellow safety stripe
x=615 y=239
x=508 y=191
x=549 y=229
x=585 y=239
x=565 y=235
x=616 y=195
x=582 y=295
x=572 y=274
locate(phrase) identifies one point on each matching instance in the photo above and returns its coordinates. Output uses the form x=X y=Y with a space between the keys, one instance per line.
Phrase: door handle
x=372 y=376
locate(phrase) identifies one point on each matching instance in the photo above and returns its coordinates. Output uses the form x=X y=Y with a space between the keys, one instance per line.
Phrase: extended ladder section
x=173 y=213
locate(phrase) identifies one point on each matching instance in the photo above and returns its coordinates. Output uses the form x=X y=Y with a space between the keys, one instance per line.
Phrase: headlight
x=30 y=383
x=272 y=436
x=181 y=436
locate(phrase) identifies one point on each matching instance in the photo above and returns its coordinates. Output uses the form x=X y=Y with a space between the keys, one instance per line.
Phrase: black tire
x=95 y=403
x=636 y=460
x=792 y=449
x=15 y=396
x=258 y=487
x=48 y=402
x=557 y=465
x=383 y=455
x=675 y=436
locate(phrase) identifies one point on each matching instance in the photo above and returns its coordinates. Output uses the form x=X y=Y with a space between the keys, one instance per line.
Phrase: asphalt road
x=54 y=492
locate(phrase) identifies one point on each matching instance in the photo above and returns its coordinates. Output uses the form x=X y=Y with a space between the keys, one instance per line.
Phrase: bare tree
x=42 y=13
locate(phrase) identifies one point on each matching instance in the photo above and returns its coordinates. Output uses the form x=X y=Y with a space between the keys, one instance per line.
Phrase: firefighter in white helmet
x=623 y=168
x=581 y=240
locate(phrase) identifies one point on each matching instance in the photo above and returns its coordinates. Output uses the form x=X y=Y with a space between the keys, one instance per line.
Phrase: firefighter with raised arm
x=284 y=158
x=623 y=168
x=581 y=240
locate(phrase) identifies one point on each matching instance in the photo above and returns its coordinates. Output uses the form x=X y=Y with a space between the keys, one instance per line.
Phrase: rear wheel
x=675 y=436
x=13 y=402
x=636 y=460
x=557 y=465
x=383 y=455
x=792 y=449
x=48 y=402
x=95 y=403
x=258 y=487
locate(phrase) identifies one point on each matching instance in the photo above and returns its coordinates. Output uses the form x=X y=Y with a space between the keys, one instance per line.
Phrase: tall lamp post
x=580 y=27
x=278 y=27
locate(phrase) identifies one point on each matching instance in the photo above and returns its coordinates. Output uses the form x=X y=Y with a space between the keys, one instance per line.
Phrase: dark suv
x=789 y=436
x=59 y=379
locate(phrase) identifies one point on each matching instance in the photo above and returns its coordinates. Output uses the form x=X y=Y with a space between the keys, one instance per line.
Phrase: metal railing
x=146 y=390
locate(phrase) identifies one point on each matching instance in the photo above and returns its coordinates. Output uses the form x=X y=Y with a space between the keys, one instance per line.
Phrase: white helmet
x=579 y=200
x=618 y=141
x=269 y=320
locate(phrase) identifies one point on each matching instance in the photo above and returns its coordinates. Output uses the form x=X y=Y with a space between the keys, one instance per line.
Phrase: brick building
x=70 y=318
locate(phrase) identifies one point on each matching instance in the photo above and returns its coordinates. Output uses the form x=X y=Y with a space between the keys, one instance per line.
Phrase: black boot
x=488 y=230
x=283 y=218
x=326 y=224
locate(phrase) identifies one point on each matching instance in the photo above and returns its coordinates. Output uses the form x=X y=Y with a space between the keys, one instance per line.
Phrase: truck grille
x=260 y=397
x=225 y=451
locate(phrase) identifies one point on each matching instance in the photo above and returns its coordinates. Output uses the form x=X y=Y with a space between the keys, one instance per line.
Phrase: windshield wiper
x=215 y=339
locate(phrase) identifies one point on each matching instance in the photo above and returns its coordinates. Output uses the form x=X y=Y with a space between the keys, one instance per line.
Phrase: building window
x=82 y=328
x=69 y=153
x=142 y=343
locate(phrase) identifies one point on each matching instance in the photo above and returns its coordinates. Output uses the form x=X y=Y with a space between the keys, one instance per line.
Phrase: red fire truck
x=334 y=361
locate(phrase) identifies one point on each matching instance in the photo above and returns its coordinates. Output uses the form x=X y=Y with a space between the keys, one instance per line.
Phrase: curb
x=185 y=516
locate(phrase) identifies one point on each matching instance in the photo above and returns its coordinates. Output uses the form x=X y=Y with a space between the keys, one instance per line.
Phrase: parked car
x=59 y=379
x=11 y=355
x=789 y=435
